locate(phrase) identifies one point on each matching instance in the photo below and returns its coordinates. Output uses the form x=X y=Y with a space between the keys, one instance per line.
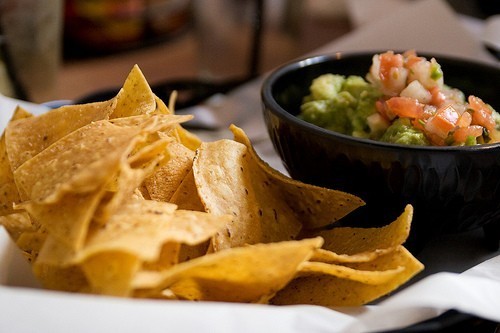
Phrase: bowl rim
x=270 y=103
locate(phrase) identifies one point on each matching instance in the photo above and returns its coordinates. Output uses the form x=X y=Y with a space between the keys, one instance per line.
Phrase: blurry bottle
x=104 y=26
x=7 y=86
x=31 y=39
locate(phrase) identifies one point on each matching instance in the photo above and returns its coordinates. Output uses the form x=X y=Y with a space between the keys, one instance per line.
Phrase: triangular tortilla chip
x=135 y=97
x=111 y=273
x=141 y=228
x=168 y=177
x=9 y=194
x=351 y=241
x=27 y=137
x=249 y=274
x=331 y=291
x=314 y=206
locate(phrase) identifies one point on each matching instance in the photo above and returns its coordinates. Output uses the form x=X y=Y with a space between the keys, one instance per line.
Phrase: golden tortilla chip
x=331 y=291
x=189 y=252
x=71 y=176
x=326 y=256
x=188 y=139
x=244 y=274
x=267 y=206
x=84 y=160
x=80 y=162
x=345 y=272
x=9 y=194
x=168 y=257
x=135 y=97
x=31 y=242
x=161 y=107
x=186 y=196
x=168 y=177
x=347 y=240
x=140 y=228
x=314 y=206
x=229 y=182
x=16 y=224
x=70 y=279
x=68 y=219
x=27 y=137
x=139 y=166
x=111 y=273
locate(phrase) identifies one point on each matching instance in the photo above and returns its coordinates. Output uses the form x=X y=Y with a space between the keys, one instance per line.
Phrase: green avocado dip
x=402 y=99
x=341 y=104
x=402 y=132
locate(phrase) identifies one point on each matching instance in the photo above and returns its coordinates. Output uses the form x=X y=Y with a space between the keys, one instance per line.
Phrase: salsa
x=402 y=99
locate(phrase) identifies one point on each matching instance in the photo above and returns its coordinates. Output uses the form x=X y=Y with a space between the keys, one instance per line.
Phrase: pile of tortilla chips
x=117 y=198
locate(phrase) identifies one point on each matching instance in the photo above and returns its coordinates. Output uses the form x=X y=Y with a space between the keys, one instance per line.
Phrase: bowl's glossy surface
x=451 y=188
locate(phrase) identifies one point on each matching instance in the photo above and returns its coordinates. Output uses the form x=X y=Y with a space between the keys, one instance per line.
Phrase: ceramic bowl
x=452 y=189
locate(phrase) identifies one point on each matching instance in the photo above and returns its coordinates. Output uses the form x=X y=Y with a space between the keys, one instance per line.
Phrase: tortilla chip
x=188 y=139
x=68 y=219
x=345 y=272
x=350 y=241
x=267 y=206
x=135 y=97
x=9 y=194
x=189 y=252
x=27 y=137
x=111 y=273
x=30 y=243
x=168 y=257
x=168 y=177
x=161 y=107
x=332 y=291
x=70 y=279
x=131 y=175
x=80 y=162
x=140 y=228
x=16 y=224
x=322 y=255
x=228 y=182
x=244 y=274
x=186 y=196
x=314 y=206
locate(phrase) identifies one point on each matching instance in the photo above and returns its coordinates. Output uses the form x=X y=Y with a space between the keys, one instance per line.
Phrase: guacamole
x=341 y=104
x=402 y=132
x=402 y=99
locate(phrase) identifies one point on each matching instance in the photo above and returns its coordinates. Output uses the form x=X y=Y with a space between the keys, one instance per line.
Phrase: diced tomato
x=477 y=103
x=411 y=58
x=409 y=53
x=418 y=124
x=461 y=134
x=438 y=97
x=389 y=60
x=442 y=122
x=464 y=120
x=481 y=113
x=435 y=139
x=405 y=107
x=381 y=107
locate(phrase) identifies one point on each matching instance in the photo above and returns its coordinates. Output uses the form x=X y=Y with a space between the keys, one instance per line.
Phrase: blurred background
x=66 y=49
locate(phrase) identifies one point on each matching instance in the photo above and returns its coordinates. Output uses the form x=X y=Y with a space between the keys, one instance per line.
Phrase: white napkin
x=24 y=309
x=8 y=105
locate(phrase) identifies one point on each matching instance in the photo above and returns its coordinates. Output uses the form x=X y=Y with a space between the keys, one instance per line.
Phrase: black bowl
x=452 y=189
